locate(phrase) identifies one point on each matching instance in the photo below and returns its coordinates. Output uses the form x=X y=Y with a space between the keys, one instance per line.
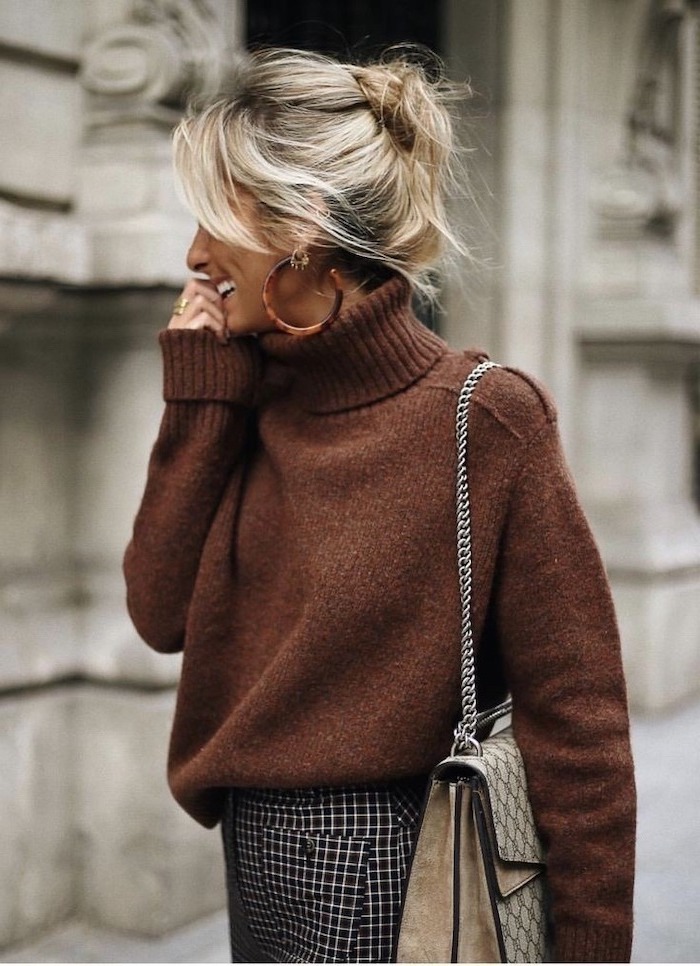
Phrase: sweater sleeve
x=209 y=389
x=562 y=659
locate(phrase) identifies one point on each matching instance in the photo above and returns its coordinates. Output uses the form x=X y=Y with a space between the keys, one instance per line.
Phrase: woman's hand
x=202 y=307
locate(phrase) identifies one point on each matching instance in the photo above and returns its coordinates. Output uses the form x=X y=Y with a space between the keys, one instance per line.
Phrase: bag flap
x=518 y=853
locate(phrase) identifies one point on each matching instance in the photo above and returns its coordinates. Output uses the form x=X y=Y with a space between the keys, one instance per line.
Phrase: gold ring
x=180 y=306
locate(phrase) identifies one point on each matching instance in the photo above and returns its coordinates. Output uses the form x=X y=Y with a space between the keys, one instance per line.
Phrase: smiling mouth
x=225 y=289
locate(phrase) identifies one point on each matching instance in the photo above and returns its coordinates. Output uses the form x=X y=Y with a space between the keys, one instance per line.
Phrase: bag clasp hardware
x=466 y=745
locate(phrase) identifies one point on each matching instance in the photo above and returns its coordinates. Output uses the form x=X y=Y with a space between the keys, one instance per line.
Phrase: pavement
x=667 y=896
x=667 y=899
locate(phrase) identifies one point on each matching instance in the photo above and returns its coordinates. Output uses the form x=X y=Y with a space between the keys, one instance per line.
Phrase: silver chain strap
x=465 y=732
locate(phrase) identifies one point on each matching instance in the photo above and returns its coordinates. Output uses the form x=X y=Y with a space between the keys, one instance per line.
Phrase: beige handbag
x=476 y=890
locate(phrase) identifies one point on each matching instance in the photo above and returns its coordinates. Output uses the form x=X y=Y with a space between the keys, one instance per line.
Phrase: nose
x=198 y=254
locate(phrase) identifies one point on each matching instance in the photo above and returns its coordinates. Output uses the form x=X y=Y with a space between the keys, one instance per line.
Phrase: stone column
x=147 y=866
x=640 y=337
x=526 y=66
x=585 y=173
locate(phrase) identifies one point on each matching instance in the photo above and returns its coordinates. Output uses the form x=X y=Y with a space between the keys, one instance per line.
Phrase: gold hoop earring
x=299 y=263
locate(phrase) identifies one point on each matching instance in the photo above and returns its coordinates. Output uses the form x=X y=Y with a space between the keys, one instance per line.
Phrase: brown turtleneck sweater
x=297 y=538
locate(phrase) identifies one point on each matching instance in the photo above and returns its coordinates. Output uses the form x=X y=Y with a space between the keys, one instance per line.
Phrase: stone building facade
x=585 y=170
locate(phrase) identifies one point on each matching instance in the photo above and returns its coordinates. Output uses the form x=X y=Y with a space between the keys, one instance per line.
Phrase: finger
x=194 y=307
x=203 y=303
x=195 y=293
x=198 y=286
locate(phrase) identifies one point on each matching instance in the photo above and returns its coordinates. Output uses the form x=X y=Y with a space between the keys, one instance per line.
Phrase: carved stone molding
x=624 y=199
x=642 y=194
x=168 y=49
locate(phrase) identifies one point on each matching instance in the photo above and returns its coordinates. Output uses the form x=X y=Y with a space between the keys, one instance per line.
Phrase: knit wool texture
x=297 y=539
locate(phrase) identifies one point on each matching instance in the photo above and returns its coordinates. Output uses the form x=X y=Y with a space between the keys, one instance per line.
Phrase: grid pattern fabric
x=320 y=872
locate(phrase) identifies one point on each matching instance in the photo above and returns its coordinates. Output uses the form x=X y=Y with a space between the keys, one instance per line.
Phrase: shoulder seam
x=548 y=414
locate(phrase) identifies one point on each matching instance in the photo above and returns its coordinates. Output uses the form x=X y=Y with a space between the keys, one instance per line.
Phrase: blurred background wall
x=584 y=172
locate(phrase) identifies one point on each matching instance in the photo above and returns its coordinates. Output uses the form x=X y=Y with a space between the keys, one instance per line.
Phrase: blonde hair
x=354 y=159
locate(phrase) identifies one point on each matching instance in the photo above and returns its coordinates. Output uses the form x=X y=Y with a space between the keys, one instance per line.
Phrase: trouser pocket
x=315 y=887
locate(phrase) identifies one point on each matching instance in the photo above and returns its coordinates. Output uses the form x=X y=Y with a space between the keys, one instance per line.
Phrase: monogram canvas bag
x=476 y=891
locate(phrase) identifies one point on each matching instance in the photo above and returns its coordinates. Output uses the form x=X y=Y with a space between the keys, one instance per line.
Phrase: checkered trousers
x=317 y=874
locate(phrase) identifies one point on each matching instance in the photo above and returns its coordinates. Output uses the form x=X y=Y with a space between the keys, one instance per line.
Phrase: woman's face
x=239 y=272
x=299 y=297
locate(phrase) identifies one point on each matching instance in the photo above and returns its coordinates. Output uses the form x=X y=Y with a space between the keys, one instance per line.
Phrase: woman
x=296 y=536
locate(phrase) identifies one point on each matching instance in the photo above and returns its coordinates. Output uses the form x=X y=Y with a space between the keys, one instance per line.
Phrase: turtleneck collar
x=374 y=349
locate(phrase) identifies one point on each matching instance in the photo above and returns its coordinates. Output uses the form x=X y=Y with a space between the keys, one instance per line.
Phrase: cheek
x=254 y=269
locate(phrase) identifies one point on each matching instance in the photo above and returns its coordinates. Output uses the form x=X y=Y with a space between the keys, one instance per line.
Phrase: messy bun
x=403 y=103
x=357 y=159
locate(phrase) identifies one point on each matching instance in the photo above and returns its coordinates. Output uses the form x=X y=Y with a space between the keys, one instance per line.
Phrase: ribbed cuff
x=196 y=366
x=583 y=944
